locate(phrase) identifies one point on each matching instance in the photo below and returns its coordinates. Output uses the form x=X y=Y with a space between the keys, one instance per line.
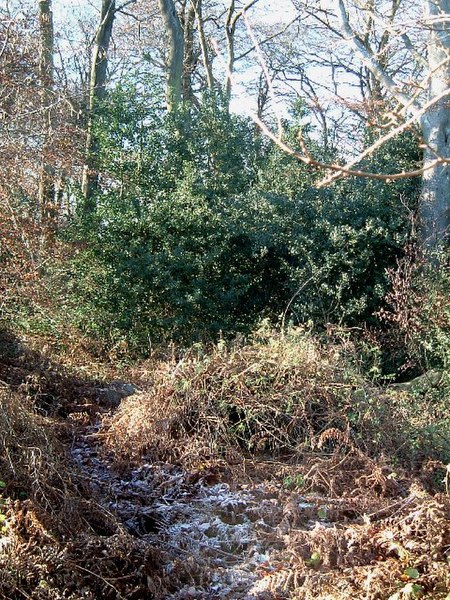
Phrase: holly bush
x=201 y=228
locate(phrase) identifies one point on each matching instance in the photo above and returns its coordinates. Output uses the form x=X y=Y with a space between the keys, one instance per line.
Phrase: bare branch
x=6 y=42
x=346 y=170
x=385 y=138
x=265 y=71
x=125 y=4
x=268 y=39
x=203 y=45
x=241 y=12
x=409 y=45
x=422 y=86
x=368 y=57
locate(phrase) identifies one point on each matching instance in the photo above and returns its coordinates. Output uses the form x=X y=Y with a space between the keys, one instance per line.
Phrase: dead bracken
x=237 y=472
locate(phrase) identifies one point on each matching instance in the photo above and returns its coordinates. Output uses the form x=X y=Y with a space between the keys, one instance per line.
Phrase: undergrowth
x=56 y=538
x=283 y=406
x=287 y=395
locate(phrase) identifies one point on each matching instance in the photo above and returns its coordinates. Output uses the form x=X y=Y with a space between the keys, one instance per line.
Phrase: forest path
x=230 y=535
x=241 y=534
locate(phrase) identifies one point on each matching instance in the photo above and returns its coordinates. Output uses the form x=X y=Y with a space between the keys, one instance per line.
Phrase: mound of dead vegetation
x=343 y=486
x=284 y=395
x=31 y=367
x=288 y=409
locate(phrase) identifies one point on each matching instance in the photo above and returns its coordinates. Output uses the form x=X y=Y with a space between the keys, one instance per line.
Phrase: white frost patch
x=228 y=532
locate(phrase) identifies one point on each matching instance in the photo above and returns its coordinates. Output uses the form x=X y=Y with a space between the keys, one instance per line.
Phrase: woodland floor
x=82 y=522
x=249 y=537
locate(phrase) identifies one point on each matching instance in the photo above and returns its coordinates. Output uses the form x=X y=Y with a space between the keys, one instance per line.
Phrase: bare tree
x=21 y=102
x=400 y=62
x=46 y=181
x=206 y=56
x=97 y=92
x=191 y=55
x=233 y=15
x=427 y=100
x=187 y=51
x=175 y=58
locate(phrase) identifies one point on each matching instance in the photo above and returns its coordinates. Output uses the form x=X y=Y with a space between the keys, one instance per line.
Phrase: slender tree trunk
x=175 y=34
x=46 y=177
x=203 y=45
x=435 y=123
x=190 y=59
x=97 y=92
x=230 y=27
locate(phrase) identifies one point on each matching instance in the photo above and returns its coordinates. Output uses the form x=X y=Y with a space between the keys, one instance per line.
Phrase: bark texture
x=435 y=125
x=46 y=76
x=190 y=54
x=97 y=92
x=175 y=60
x=230 y=28
x=204 y=45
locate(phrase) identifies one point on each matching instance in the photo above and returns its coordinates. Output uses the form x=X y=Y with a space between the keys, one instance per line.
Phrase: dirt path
x=243 y=540
x=227 y=534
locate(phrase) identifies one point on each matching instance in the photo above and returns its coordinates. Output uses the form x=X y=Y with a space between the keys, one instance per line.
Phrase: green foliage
x=294 y=482
x=432 y=295
x=202 y=227
x=184 y=270
x=175 y=248
x=146 y=151
x=314 y=561
x=345 y=237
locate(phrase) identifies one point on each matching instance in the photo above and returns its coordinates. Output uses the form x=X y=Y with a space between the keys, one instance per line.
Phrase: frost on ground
x=167 y=496
x=227 y=532
x=260 y=541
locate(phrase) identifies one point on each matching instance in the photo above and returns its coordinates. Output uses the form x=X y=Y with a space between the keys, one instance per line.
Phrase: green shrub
x=344 y=238
x=184 y=271
x=202 y=228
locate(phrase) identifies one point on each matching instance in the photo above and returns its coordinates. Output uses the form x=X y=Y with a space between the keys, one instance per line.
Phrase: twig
x=119 y=595
x=400 y=503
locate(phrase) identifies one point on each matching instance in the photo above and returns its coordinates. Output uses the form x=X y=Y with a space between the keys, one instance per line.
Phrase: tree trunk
x=190 y=58
x=204 y=46
x=230 y=27
x=46 y=192
x=435 y=124
x=174 y=85
x=97 y=92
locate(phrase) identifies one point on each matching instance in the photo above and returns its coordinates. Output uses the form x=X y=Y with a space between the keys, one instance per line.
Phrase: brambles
x=417 y=312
